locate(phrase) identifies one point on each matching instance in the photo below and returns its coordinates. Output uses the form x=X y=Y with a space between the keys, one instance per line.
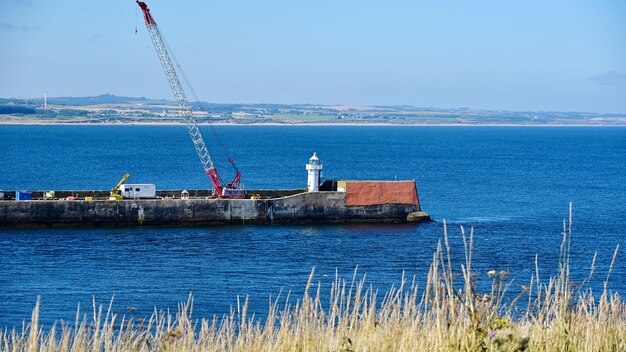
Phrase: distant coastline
x=109 y=109
x=338 y=124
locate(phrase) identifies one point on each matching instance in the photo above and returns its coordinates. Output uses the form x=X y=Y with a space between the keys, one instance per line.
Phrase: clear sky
x=514 y=55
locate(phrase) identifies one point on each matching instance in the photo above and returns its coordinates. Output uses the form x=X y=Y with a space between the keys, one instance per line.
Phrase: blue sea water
x=512 y=184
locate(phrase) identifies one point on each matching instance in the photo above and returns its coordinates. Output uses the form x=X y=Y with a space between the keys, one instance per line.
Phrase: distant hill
x=109 y=108
x=77 y=101
x=99 y=99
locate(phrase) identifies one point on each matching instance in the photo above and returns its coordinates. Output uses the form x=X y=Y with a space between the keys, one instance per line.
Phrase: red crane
x=234 y=189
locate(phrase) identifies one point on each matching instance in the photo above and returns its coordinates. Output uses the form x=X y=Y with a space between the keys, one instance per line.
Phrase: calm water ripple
x=512 y=184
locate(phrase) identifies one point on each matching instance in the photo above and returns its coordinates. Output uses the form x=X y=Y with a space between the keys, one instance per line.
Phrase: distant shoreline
x=111 y=110
x=11 y=123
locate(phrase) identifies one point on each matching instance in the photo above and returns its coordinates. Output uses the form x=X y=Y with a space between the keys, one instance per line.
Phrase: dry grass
x=444 y=315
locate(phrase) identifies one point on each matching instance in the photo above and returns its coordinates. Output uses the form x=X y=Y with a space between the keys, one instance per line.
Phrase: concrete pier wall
x=317 y=207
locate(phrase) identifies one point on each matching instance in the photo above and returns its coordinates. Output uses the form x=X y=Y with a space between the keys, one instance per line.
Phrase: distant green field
x=111 y=109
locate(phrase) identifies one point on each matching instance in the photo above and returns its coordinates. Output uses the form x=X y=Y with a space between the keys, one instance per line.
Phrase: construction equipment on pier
x=232 y=190
x=113 y=195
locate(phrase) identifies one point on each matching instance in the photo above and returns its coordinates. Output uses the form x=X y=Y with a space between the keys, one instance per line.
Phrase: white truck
x=136 y=191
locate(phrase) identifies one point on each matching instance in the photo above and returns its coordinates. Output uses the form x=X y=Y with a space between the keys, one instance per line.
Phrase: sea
x=512 y=185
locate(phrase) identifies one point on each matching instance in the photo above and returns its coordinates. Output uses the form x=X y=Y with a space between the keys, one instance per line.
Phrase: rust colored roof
x=381 y=192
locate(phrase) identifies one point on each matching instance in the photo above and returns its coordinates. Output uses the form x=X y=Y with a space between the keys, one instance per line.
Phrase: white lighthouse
x=314 y=167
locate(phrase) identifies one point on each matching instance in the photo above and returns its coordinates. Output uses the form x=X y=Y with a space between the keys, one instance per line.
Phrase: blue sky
x=512 y=55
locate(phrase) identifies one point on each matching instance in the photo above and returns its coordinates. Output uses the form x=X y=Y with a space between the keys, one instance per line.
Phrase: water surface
x=513 y=184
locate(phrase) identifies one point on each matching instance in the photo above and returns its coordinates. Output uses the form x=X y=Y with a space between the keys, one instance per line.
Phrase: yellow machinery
x=113 y=195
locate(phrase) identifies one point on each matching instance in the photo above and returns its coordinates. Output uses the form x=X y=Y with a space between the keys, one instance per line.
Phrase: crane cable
x=202 y=108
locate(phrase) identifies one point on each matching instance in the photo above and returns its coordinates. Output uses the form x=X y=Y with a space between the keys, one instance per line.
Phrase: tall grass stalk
x=444 y=315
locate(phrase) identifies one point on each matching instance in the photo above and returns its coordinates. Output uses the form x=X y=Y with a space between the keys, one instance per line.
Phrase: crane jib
x=146 y=13
x=231 y=190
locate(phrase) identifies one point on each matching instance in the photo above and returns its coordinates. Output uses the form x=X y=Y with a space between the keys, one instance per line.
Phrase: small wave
x=479 y=219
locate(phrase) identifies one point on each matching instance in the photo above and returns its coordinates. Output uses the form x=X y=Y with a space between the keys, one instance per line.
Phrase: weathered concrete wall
x=319 y=207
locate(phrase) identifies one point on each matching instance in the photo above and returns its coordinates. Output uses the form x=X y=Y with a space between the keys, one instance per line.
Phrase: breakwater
x=304 y=207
